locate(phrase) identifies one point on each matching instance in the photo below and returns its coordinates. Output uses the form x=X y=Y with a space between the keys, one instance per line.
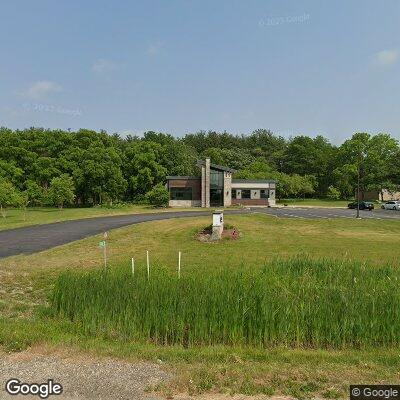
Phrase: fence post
x=179 y=265
x=148 y=266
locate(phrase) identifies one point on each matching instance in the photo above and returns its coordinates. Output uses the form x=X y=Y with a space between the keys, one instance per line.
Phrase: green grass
x=301 y=373
x=44 y=215
x=262 y=237
x=27 y=282
x=314 y=202
x=295 y=302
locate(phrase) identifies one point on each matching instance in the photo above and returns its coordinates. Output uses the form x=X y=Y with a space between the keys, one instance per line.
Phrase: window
x=245 y=193
x=233 y=194
x=264 y=193
x=216 y=179
x=177 y=193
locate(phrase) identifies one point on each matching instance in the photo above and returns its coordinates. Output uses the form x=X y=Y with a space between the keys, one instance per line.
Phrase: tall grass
x=295 y=302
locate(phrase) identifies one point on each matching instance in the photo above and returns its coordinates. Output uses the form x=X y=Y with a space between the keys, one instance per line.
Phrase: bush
x=333 y=193
x=158 y=196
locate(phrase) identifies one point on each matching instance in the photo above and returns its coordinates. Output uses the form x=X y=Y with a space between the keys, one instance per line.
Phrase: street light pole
x=358 y=192
x=358 y=185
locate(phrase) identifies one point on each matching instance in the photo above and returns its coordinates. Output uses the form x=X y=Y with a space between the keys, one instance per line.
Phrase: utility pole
x=358 y=192
x=358 y=184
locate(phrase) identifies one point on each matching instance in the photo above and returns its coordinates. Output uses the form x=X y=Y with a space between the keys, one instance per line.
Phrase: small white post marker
x=148 y=266
x=133 y=266
x=179 y=265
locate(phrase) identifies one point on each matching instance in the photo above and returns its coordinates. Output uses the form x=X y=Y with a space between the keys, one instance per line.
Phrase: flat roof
x=216 y=166
x=253 y=181
x=182 y=177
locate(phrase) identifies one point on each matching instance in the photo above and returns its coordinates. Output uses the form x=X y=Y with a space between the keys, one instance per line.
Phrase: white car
x=391 y=205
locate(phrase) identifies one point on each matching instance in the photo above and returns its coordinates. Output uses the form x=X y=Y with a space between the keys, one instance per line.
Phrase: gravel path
x=81 y=377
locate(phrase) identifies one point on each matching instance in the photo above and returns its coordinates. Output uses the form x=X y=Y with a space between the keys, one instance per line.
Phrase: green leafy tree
x=370 y=157
x=9 y=196
x=61 y=190
x=308 y=156
x=143 y=167
x=22 y=201
x=333 y=193
x=158 y=196
x=36 y=194
x=10 y=172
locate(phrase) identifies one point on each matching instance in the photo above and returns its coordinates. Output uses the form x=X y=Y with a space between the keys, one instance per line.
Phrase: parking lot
x=304 y=212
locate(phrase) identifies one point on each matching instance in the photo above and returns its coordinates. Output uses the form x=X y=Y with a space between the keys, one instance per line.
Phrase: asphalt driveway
x=325 y=213
x=37 y=238
x=32 y=239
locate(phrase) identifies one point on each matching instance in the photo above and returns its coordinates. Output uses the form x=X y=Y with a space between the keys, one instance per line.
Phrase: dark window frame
x=246 y=194
x=264 y=193
x=181 y=193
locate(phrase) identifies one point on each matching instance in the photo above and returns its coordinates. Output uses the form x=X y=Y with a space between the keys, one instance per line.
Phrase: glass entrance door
x=216 y=197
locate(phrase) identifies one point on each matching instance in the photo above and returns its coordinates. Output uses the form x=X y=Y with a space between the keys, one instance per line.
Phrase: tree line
x=40 y=166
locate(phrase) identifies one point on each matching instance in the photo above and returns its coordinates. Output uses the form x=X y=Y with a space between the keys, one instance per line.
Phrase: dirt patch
x=82 y=377
x=217 y=396
x=229 y=233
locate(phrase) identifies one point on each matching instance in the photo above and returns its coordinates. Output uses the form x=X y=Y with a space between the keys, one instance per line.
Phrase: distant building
x=216 y=188
x=384 y=195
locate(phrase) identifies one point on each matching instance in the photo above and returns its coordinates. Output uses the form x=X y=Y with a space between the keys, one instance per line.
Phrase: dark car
x=364 y=205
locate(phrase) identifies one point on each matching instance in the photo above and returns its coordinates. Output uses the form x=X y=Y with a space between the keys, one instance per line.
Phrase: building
x=216 y=188
x=382 y=195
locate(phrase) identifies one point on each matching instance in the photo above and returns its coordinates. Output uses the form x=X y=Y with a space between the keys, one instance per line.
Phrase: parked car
x=391 y=205
x=364 y=205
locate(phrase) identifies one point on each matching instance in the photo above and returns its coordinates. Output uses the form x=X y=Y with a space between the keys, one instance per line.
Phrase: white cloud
x=103 y=65
x=132 y=132
x=386 y=58
x=41 y=89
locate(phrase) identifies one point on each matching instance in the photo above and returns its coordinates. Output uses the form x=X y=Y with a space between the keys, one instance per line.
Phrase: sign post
x=179 y=265
x=103 y=245
x=148 y=265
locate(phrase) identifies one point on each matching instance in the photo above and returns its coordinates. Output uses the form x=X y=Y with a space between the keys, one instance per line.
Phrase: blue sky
x=295 y=67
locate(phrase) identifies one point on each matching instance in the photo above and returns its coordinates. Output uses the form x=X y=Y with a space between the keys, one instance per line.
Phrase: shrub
x=333 y=193
x=158 y=196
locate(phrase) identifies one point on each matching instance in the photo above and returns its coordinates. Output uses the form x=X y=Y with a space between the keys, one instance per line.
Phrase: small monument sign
x=218 y=225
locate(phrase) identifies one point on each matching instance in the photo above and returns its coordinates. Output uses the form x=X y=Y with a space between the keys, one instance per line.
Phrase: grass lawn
x=45 y=215
x=26 y=282
x=314 y=202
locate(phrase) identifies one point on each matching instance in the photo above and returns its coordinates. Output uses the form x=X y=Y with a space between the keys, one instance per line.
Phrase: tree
x=308 y=156
x=35 y=193
x=372 y=157
x=61 y=190
x=333 y=193
x=233 y=158
x=22 y=201
x=9 y=196
x=143 y=167
x=158 y=196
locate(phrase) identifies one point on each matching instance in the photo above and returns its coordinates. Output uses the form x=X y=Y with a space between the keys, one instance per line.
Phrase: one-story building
x=381 y=195
x=216 y=188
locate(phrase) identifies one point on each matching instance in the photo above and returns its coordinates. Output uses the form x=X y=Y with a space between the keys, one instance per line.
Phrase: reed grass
x=295 y=302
